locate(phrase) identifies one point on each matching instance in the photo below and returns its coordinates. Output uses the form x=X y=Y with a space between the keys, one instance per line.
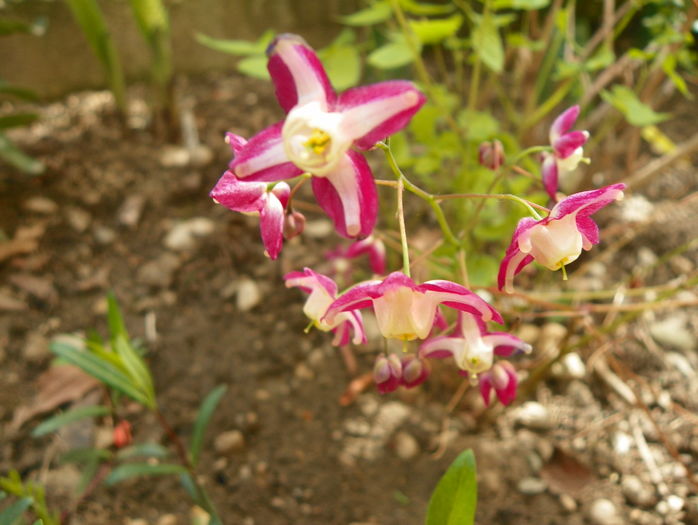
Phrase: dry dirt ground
x=127 y=214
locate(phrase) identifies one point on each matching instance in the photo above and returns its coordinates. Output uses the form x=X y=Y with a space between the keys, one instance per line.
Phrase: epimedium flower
x=567 y=150
x=257 y=198
x=370 y=246
x=559 y=238
x=323 y=291
x=472 y=347
x=405 y=310
x=319 y=131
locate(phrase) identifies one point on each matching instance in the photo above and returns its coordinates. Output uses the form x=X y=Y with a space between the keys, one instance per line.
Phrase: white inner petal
x=554 y=244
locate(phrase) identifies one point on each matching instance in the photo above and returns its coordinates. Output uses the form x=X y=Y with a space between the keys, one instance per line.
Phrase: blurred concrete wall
x=61 y=60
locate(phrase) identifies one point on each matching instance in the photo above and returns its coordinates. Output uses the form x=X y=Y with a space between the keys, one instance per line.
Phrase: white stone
x=248 y=294
x=533 y=415
x=574 y=366
x=672 y=332
x=229 y=442
x=184 y=235
x=604 y=512
x=406 y=446
x=41 y=205
x=531 y=486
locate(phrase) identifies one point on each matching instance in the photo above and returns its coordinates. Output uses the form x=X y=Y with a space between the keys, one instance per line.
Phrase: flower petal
x=568 y=143
x=355 y=298
x=485 y=385
x=589 y=230
x=263 y=158
x=354 y=322
x=297 y=73
x=588 y=202
x=348 y=195
x=514 y=260
x=550 y=175
x=374 y=248
x=505 y=344
x=238 y=195
x=507 y=394
x=459 y=297
x=307 y=280
x=372 y=113
x=271 y=224
x=563 y=123
x=441 y=347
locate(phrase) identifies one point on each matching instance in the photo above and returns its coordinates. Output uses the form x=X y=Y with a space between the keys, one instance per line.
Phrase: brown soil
x=307 y=459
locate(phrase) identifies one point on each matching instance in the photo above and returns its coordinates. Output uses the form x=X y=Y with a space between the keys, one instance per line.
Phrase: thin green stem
x=502 y=196
x=530 y=151
x=424 y=195
x=403 y=231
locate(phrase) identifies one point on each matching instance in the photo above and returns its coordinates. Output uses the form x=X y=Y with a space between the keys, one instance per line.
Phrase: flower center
x=313 y=139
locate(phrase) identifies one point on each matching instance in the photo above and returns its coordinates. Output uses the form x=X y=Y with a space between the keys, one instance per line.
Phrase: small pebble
x=568 y=502
x=636 y=492
x=229 y=442
x=531 y=486
x=40 y=205
x=129 y=213
x=603 y=512
x=248 y=294
x=406 y=446
x=534 y=416
x=185 y=235
x=167 y=519
x=78 y=219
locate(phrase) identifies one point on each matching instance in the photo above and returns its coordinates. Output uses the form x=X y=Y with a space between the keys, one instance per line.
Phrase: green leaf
x=85 y=455
x=527 y=5
x=254 y=66
x=479 y=125
x=392 y=55
x=100 y=369
x=132 y=470
x=54 y=423
x=636 y=112
x=342 y=64
x=603 y=58
x=12 y=513
x=22 y=93
x=374 y=14
x=482 y=269
x=454 y=500
x=435 y=31
x=426 y=9
x=669 y=67
x=145 y=450
x=521 y=40
x=136 y=367
x=488 y=44
x=233 y=47
x=114 y=318
x=206 y=410
x=17 y=158
x=17 y=120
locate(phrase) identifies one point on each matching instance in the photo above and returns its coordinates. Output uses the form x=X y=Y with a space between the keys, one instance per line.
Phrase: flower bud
x=414 y=371
x=294 y=224
x=122 y=434
x=491 y=155
x=387 y=373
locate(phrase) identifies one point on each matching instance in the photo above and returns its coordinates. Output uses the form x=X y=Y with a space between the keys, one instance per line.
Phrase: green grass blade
x=54 y=423
x=100 y=369
x=206 y=410
x=12 y=513
x=136 y=368
x=12 y=155
x=132 y=470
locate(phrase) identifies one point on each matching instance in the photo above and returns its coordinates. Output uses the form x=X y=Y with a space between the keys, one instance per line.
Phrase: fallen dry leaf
x=58 y=385
x=565 y=475
x=40 y=287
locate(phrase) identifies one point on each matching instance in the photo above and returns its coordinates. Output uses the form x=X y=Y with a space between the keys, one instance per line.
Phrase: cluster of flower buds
x=320 y=137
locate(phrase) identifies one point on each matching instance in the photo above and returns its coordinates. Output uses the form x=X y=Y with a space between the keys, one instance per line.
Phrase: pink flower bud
x=121 y=436
x=294 y=224
x=491 y=155
x=387 y=373
x=414 y=371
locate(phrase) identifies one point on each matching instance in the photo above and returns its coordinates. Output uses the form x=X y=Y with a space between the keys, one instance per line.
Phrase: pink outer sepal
x=372 y=113
x=550 y=175
x=348 y=195
x=503 y=379
x=263 y=158
x=563 y=123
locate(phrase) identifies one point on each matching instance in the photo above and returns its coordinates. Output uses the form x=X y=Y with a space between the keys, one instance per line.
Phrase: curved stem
x=419 y=192
x=530 y=151
x=502 y=196
x=403 y=232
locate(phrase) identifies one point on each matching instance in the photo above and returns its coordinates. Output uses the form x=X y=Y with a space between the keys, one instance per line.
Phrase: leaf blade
x=54 y=423
x=206 y=410
x=454 y=499
x=132 y=470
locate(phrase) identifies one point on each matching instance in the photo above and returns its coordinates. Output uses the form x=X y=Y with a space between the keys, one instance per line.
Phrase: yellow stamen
x=318 y=142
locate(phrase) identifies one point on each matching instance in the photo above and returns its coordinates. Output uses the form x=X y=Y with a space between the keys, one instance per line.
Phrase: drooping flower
x=472 y=347
x=392 y=371
x=503 y=379
x=567 y=150
x=559 y=238
x=405 y=310
x=323 y=291
x=371 y=246
x=491 y=155
x=319 y=130
x=267 y=200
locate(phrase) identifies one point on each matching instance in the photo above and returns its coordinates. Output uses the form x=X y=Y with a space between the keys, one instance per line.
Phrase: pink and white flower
x=471 y=346
x=319 y=131
x=393 y=371
x=503 y=379
x=559 y=238
x=371 y=246
x=323 y=291
x=567 y=150
x=405 y=310
x=256 y=198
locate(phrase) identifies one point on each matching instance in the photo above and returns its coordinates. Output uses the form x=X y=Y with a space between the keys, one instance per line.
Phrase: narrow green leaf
x=342 y=64
x=12 y=513
x=85 y=455
x=144 y=450
x=100 y=369
x=237 y=47
x=374 y=14
x=16 y=91
x=454 y=500
x=114 y=318
x=254 y=66
x=392 y=55
x=132 y=470
x=10 y=26
x=488 y=44
x=527 y=5
x=636 y=112
x=206 y=410
x=188 y=484
x=436 y=31
x=136 y=367
x=17 y=158
x=54 y=423
x=426 y=8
